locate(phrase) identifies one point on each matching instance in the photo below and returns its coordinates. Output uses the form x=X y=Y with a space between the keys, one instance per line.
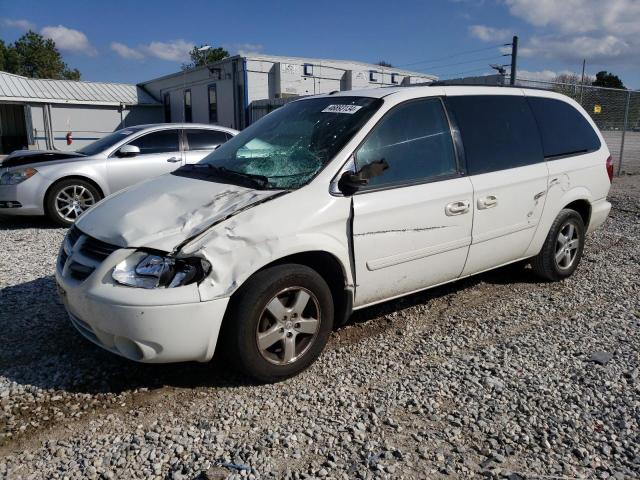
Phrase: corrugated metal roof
x=18 y=88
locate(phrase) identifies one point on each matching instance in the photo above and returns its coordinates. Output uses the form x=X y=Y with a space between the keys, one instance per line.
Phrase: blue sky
x=135 y=41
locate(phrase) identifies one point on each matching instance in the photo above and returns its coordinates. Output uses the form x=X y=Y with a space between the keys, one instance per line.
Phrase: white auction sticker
x=350 y=109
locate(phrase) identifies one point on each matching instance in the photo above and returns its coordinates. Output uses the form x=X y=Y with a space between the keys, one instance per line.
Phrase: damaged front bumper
x=153 y=326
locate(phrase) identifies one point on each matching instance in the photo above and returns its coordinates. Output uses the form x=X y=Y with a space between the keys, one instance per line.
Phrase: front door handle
x=489 y=201
x=173 y=160
x=457 y=208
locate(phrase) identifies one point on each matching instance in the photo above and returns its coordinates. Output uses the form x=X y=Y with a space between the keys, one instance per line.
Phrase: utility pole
x=584 y=64
x=514 y=59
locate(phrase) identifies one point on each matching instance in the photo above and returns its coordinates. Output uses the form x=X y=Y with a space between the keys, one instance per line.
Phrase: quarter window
x=415 y=140
x=563 y=129
x=205 y=139
x=498 y=132
x=162 y=141
x=188 y=117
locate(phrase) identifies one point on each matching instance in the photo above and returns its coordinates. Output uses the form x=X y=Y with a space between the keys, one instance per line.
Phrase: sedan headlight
x=144 y=270
x=17 y=176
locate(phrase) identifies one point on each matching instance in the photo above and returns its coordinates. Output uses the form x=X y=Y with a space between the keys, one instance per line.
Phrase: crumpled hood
x=163 y=212
x=28 y=157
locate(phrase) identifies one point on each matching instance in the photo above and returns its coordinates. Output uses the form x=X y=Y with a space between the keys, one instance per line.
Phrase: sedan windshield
x=288 y=147
x=107 y=141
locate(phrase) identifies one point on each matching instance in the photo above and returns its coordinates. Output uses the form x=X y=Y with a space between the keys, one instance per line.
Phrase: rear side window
x=415 y=140
x=564 y=129
x=163 y=141
x=205 y=139
x=498 y=132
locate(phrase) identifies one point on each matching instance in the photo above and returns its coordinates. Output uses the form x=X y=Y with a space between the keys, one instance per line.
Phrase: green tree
x=607 y=79
x=200 y=58
x=34 y=56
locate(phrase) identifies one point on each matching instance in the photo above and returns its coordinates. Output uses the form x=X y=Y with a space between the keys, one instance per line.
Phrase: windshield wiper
x=256 y=181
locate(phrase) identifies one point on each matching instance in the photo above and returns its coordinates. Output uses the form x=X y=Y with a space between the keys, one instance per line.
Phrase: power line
x=456 y=74
x=458 y=54
x=436 y=67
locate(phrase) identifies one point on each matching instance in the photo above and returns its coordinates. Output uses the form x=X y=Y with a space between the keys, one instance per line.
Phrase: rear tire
x=562 y=249
x=279 y=322
x=68 y=199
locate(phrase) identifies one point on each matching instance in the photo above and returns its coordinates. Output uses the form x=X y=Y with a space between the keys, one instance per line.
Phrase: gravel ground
x=499 y=376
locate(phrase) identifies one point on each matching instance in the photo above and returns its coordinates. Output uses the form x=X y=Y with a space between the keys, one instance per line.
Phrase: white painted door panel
x=508 y=207
x=405 y=241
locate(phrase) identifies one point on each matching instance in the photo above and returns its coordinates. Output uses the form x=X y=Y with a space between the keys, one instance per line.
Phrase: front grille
x=62 y=258
x=89 y=254
x=97 y=249
x=79 y=271
x=73 y=235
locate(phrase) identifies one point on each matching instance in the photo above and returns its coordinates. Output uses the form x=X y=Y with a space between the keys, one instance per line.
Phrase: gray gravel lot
x=499 y=376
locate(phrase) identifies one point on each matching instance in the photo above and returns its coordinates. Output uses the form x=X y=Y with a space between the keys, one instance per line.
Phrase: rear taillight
x=610 y=168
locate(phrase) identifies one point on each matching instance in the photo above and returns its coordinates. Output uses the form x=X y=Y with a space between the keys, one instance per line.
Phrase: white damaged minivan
x=327 y=205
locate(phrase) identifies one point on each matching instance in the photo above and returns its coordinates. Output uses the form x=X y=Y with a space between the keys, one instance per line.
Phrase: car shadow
x=509 y=274
x=8 y=222
x=41 y=348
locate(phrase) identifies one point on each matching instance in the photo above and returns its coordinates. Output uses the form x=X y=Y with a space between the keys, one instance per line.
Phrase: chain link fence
x=616 y=112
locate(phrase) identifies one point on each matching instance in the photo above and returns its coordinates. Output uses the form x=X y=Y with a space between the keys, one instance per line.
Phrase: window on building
x=308 y=69
x=563 y=129
x=201 y=139
x=394 y=78
x=188 y=115
x=162 y=141
x=498 y=132
x=415 y=140
x=373 y=76
x=213 y=104
x=166 y=100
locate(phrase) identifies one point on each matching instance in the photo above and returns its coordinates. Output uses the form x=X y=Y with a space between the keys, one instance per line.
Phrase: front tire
x=68 y=199
x=279 y=322
x=562 y=250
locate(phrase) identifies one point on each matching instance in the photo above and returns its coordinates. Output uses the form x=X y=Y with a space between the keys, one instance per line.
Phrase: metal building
x=38 y=113
x=237 y=90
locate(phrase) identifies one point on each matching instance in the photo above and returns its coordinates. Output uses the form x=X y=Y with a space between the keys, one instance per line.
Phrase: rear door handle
x=173 y=160
x=489 y=201
x=457 y=208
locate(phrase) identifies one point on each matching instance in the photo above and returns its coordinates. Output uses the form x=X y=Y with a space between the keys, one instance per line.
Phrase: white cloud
x=69 y=39
x=126 y=52
x=174 y=50
x=489 y=34
x=576 y=29
x=20 y=24
x=244 y=48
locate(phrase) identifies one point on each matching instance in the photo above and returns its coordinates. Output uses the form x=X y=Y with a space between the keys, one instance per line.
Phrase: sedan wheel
x=71 y=201
x=67 y=199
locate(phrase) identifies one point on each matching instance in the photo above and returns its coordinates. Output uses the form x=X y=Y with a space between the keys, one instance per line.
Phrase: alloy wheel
x=567 y=245
x=288 y=325
x=71 y=201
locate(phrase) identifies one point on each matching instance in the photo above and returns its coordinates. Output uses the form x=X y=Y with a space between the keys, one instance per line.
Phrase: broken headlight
x=145 y=270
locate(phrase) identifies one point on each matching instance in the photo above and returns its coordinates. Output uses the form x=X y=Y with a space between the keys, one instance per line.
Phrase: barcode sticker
x=350 y=109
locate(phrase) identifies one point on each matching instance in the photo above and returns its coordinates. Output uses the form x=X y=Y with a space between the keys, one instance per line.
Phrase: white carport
x=38 y=113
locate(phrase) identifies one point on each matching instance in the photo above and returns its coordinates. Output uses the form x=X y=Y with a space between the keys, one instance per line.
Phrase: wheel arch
x=71 y=177
x=331 y=269
x=583 y=207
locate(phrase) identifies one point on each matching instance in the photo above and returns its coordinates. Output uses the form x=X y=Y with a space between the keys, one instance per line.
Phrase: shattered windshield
x=288 y=147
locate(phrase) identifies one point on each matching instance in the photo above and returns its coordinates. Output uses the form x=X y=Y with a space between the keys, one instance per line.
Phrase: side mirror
x=129 y=151
x=350 y=182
